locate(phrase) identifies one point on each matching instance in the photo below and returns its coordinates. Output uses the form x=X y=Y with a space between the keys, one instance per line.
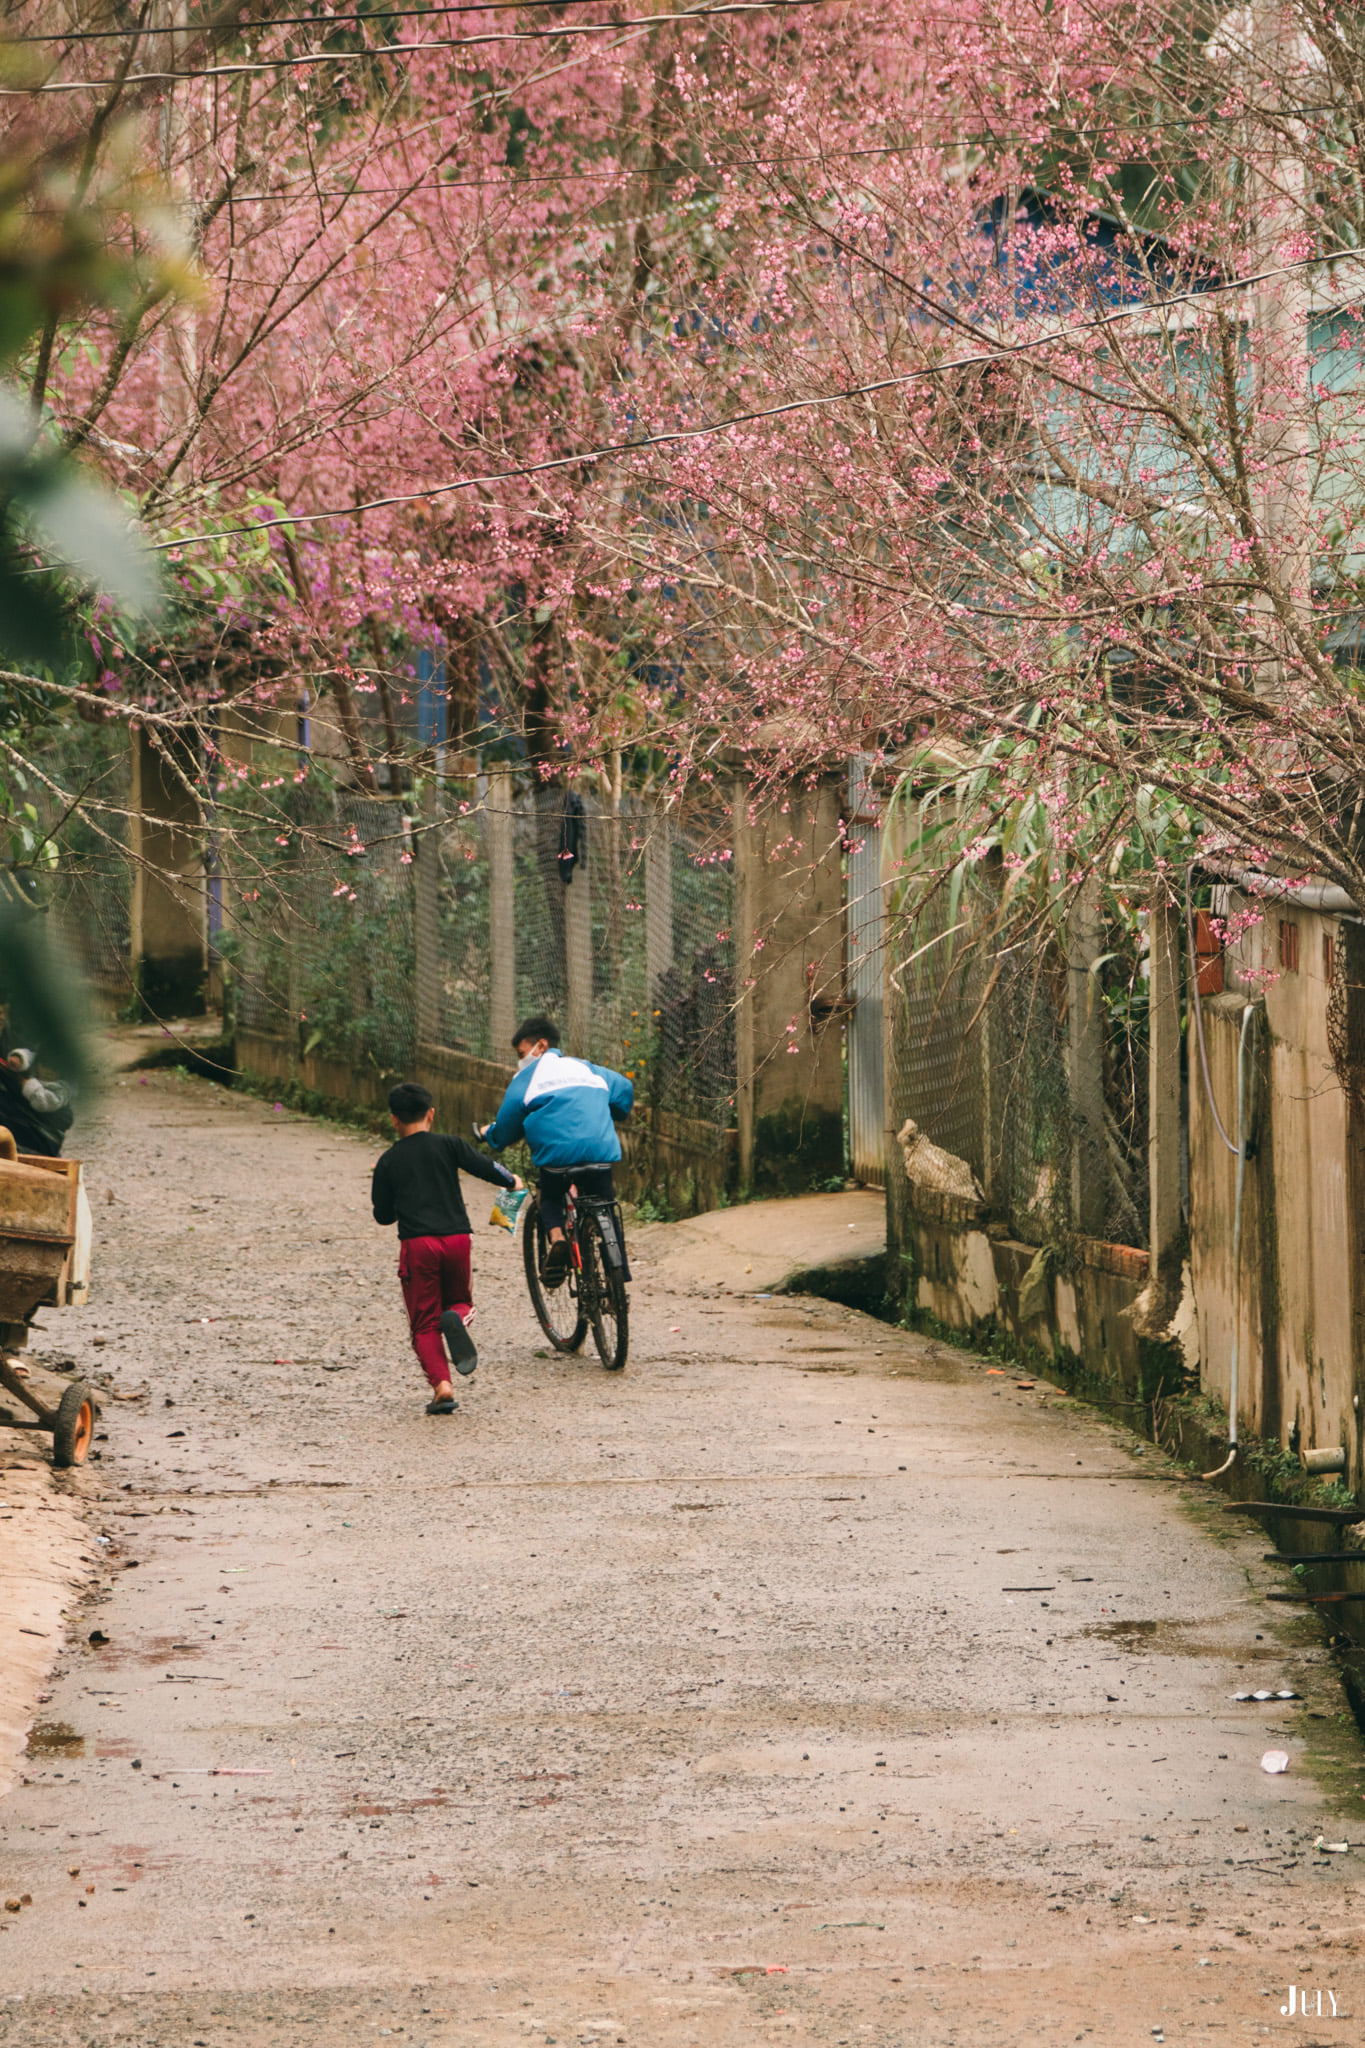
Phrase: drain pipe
x=1240 y=1149
x=1242 y=1093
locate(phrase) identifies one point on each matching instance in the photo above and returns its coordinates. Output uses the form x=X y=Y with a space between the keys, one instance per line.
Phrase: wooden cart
x=44 y=1263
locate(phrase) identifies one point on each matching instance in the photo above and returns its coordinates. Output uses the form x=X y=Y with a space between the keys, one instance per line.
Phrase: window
x=1329 y=957
x=1289 y=945
x=1208 y=946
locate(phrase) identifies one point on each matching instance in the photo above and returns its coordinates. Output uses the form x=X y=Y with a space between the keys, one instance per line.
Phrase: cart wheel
x=74 y=1427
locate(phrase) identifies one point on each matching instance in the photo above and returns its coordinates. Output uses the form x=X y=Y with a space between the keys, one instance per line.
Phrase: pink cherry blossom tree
x=984 y=374
x=1046 y=426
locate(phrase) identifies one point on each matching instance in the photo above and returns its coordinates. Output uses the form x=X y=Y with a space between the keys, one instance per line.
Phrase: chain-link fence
x=311 y=916
x=464 y=912
x=90 y=891
x=320 y=946
x=693 y=1017
x=361 y=937
x=630 y=950
x=1030 y=1108
x=985 y=1060
x=621 y=931
x=939 y=1049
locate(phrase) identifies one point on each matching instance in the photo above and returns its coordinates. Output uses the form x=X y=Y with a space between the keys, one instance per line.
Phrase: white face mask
x=526 y=1060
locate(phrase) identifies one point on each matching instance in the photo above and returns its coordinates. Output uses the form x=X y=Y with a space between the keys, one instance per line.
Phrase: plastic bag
x=507 y=1208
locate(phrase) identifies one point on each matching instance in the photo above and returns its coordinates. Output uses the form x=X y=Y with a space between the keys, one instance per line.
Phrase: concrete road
x=806 y=1683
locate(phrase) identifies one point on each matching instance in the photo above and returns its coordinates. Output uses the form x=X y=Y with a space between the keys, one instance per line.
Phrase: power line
x=1107 y=132
x=309 y=58
x=1143 y=309
x=328 y=21
x=520 y=179
x=713 y=8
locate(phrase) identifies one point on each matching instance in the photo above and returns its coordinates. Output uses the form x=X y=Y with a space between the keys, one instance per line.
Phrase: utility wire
x=1105 y=132
x=1140 y=309
x=326 y=23
x=332 y=21
x=529 y=35
x=519 y=180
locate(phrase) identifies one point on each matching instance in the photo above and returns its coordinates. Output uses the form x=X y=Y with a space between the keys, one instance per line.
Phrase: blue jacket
x=564 y=1108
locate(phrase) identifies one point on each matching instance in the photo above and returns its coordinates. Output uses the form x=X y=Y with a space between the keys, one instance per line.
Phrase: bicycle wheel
x=604 y=1297
x=558 y=1309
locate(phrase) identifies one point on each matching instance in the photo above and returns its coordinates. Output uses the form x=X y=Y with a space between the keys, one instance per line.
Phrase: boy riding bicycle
x=567 y=1111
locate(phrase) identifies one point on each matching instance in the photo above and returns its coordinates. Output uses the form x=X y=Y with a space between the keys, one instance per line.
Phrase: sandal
x=445 y=1407
x=459 y=1344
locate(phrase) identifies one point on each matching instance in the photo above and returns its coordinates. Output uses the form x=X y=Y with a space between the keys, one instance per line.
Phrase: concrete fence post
x=1165 y=1136
x=578 y=941
x=1348 y=994
x=1155 y=1309
x=746 y=965
x=658 y=900
x=1085 y=1048
x=897 y=1187
x=426 y=915
x=502 y=944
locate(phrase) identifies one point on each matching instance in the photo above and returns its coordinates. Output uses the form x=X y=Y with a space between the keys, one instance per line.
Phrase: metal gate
x=864 y=924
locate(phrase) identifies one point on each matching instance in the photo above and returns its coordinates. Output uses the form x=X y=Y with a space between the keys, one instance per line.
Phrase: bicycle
x=593 y=1292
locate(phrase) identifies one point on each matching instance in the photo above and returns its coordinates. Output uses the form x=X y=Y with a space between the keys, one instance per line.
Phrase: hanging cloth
x=573 y=836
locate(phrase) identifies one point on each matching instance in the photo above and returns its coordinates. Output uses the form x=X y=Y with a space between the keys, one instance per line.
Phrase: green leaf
x=90 y=532
x=46 y=1001
x=35 y=618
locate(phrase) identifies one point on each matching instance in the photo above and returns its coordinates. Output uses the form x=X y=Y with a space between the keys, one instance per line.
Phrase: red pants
x=434 y=1275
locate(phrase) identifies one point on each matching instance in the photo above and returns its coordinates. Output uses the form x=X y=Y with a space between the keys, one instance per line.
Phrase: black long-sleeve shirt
x=417 y=1184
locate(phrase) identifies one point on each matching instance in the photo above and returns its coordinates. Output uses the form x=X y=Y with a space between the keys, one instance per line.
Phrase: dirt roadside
x=805 y=1683
x=45 y=1562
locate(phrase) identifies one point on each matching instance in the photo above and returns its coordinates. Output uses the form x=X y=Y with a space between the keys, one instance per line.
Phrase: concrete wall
x=1291 y=1302
x=168 y=912
x=678 y=1160
x=970 y=1279
x=1293 y=1294
x=789 y=963
x=266 y=1057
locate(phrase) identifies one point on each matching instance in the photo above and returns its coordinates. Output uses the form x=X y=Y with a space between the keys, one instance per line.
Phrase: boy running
x=417 y=1186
